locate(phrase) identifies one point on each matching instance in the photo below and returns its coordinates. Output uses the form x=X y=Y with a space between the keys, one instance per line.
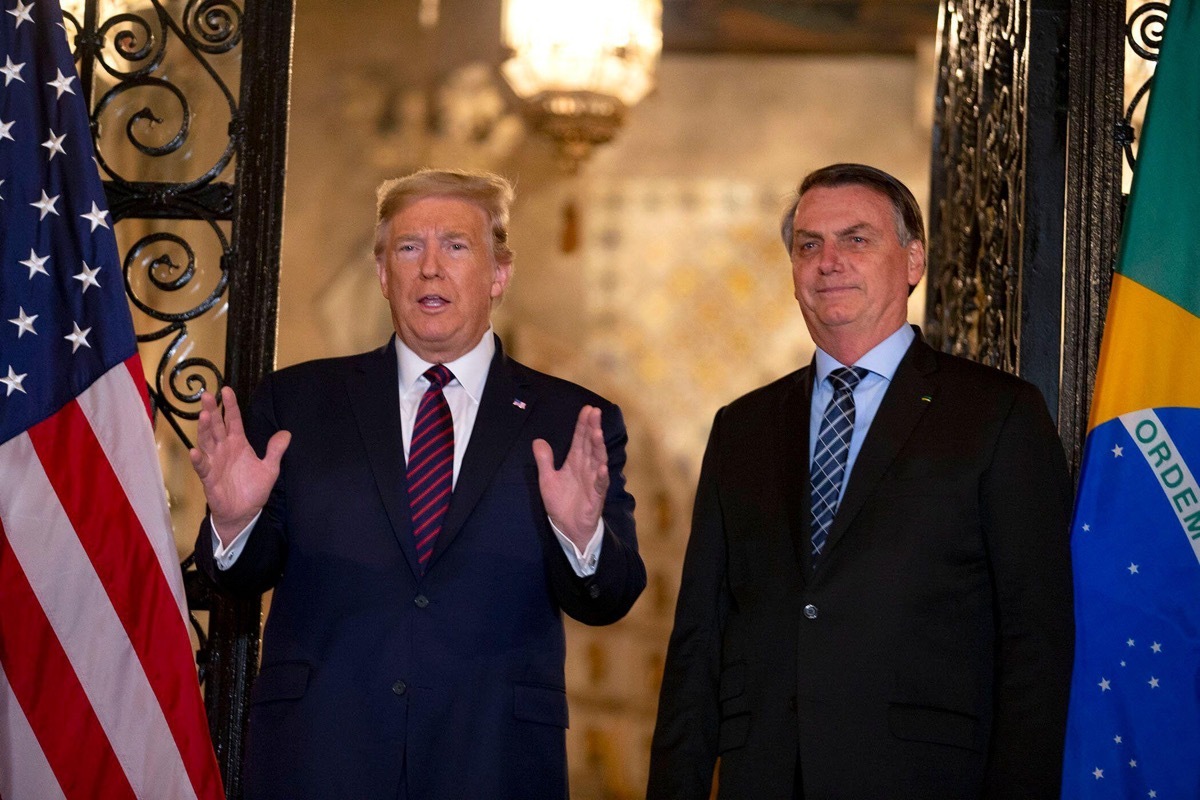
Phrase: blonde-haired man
x=406 y=507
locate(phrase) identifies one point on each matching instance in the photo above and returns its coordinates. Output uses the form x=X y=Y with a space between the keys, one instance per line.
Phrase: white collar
x=470 y=369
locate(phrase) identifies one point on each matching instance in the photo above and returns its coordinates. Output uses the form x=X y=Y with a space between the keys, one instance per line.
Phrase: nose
x=829 y=260
x=431 y=263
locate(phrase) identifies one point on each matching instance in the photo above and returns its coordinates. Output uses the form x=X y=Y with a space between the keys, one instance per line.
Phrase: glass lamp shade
x=603 y=47
x=579 y=64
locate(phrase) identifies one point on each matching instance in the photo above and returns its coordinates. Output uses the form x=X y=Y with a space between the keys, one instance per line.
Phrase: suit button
x=593 y=591
x=399 y=688
x=420 y=601
x=810 y=611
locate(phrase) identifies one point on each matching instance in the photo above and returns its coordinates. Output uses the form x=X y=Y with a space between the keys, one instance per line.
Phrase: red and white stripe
x=98 y=692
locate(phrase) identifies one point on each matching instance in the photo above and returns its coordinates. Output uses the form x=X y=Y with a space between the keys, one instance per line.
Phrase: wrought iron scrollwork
x=213 y=26
x=167 y=262
x=1144 y=34
x=1145 y=31
x=188 y=104
x=154 y=73
x=133 y=49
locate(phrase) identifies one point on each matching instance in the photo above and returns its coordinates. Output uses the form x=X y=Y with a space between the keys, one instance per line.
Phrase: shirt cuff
x=583 y=563
x=225 y=556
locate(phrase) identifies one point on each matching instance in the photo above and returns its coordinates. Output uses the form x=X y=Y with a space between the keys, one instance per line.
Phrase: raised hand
x=574 y=495
x=236 y=481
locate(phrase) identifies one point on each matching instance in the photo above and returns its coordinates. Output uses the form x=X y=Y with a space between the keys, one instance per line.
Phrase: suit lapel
x=505 y=406
x=375 y=402
x=795 y=477
x=905 y=402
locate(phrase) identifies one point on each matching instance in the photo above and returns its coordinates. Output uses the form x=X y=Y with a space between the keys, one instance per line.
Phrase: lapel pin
x=519 y=403
x=926 y=398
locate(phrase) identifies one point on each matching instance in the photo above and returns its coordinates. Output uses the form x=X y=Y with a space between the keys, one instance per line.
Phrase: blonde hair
x=491 y=192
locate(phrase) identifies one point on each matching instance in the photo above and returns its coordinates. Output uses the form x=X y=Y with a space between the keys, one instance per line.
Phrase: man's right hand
x=236 y=481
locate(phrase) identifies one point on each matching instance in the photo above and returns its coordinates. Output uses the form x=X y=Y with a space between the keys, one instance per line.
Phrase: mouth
x=432 y=301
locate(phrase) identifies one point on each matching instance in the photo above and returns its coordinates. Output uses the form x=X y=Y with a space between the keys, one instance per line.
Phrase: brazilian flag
x=1134 y=724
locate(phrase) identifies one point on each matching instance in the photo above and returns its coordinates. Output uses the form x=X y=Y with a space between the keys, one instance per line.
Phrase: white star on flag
x=1117 y=738
x=1118 y=451
x=46 y=204
x=1129 y=642
x=88 y=277
x=5 y=127
x=54 y=144
x=1133 y=763
x=1133 y=568
x=24 y=322
x=1104 y=685
x=78 y=337
x=1153 y=682
x=1086 y=527
x=1153 y=793
x=96 y=216
x=1156 y=647
x=35 y=262
x=12 y=72
x=13 y=381
x=22 y=13
x=1099 y=773
x=61 y=84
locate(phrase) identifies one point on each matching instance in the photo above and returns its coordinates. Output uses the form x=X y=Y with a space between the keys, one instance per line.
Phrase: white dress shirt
x=462 y=394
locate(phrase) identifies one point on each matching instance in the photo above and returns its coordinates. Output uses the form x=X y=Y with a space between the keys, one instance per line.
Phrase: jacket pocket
x=933 y=725
x=285 y=680
x=545 y=705
x=733 y=732
x=735 y=712
x=733 y=681
x=935 y=708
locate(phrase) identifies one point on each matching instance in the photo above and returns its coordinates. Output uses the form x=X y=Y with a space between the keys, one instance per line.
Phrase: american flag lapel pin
x=519 y=403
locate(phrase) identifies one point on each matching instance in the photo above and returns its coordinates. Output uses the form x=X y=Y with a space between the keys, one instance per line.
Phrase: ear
x=916 y=261
x=381 y=271
x=500 y=278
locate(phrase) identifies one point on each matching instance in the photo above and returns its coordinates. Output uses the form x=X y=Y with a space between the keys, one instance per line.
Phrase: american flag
x=98 y=691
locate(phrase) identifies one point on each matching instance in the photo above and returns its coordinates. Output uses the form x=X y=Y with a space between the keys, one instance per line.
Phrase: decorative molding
x=976 y=223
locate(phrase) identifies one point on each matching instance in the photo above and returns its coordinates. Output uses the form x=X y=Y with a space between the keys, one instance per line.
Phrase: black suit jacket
x=929 y=653
x=378 y=681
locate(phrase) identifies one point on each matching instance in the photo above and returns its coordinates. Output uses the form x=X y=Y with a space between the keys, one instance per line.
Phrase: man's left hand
x=574 y=495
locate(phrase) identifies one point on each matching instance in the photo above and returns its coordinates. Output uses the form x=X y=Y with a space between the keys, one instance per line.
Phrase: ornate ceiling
x=797 y=26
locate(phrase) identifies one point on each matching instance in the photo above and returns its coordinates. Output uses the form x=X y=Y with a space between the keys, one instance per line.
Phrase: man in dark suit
x=405 y=506
x=876 y=598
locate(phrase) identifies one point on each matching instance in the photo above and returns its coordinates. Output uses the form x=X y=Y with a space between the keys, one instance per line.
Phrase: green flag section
x=1152 y=334
x=1134 y=723
x=1160 y=246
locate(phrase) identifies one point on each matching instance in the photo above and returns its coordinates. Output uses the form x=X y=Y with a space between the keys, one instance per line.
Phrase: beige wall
x=677 y=298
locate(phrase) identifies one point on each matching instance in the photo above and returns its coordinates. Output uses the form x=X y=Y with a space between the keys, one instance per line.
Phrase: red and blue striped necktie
x=431 y=463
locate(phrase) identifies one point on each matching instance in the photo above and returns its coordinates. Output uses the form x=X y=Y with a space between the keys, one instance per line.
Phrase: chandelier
x=578 y=65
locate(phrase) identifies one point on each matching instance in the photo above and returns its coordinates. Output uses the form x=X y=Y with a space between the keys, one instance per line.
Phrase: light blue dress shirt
x=881 y=361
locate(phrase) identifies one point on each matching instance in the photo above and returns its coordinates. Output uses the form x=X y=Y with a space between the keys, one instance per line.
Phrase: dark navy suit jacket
x=376 y=681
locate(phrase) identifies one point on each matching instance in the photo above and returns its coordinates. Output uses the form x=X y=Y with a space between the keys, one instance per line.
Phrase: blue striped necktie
x=829 y=457
x=431 y=463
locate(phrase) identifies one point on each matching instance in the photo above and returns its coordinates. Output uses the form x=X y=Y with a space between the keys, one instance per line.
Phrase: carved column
x=999 y=154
